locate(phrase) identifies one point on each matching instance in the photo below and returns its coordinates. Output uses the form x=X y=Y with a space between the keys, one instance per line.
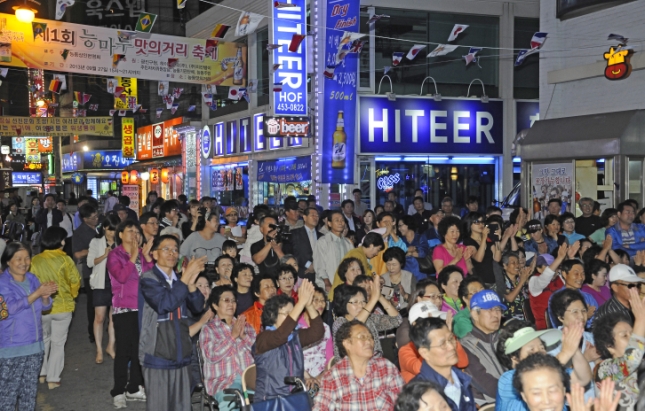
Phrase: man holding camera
x=267 y=252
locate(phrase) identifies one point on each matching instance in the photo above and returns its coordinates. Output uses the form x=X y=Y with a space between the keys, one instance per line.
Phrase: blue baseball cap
x=486 y=299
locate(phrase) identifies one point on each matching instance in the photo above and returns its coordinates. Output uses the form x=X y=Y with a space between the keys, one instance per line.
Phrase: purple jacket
x=125 y=278
x=23 y=326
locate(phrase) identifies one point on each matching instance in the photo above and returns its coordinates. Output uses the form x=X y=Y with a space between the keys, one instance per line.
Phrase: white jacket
x=97 y=249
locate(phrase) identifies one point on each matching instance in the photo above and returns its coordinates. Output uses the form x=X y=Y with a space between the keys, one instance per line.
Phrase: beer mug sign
x=273 y=126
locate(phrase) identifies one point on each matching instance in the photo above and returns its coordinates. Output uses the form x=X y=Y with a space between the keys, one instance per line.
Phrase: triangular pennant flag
x=220 y=31
x=125 y=36
x=142 y=110
x=234 y=93
x=252 y=86
x=116 y=59
x=132 y=102
x=245 y=94
x=191 y=108
x=209 y=89
x=64 y=54
x=247 y=23
x=163 y=87
x=43 y=111
x=61 y=6
x=213 y=107
x=274 y=46
x=145 y=22
x=618 y=37
x=386 y=69
x=277 y=87
x=38 y=29
x=173 y=108
x=55 y=86
x=168 y=100
x=122 y=113
x=397 y=56
x=377 y=17
x=295 y=42
x=524 y=53
x=471 y=56
x=123 y=98
x=172 y=62
x=276 y=66
x=94 y=107
x=112 y=112
x=456 y=31
x=442 y=50
x=181 y=4
x=329 y=72
x=111 y=84
x=118 y=91
x=63 y=80
x=4 y=71
x=159 y=111
x=136 y=108
x=537 y=41
x=414 y=51
x=78 y=96
x=208 y=98
x=176 y=92
x=86 y=98
x=357 y=46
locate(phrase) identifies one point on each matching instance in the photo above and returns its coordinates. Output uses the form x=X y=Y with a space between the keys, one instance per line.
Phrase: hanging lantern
x=134 y=177
x=125 y=177
x=164 y=175
x=154 y=176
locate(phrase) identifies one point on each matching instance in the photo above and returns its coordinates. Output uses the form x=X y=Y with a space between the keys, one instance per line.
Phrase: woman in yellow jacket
x=53 y=264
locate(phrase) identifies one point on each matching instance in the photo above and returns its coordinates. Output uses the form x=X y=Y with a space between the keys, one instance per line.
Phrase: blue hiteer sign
x=288 y=170
x=419 y=125
x=105 y=160
x=526 y=113
x=291 y=76
x=26 y=178
x=339 y=85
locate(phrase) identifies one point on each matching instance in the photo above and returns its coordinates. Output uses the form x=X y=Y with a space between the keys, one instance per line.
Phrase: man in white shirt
x=359 y=206
x=67 y=224
x=330 y=250
x=426 y=206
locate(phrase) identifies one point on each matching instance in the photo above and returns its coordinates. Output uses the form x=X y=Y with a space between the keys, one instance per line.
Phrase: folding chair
x=204 y=397
x=248 y=383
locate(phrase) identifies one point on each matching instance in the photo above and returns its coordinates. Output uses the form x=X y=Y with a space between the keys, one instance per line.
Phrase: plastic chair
x=204 y=397
x=248 y=383
x=331 y=363
x=488 y=407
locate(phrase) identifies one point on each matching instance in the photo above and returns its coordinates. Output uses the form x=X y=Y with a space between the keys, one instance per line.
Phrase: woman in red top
x=287 y=280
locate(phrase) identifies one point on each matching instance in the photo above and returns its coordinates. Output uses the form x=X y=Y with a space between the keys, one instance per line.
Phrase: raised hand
x=485 y=233
x=577 y=399
x=47 y=289
x=606 y=245
x=242 y=320
x=306 y=292
x=562 y=251
x=573 y=250
x=639 y=258
x=607 y=399
x=449 y=318
x=467 y=253
x=571 y=337
x=192 y=270
x=238 y=328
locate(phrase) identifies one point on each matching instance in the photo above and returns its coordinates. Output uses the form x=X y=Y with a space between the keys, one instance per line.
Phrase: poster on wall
x=551 y=181
x=239 y=181
x=230 y=179
x=132 y=191
x=339 y=112
x=217 y=182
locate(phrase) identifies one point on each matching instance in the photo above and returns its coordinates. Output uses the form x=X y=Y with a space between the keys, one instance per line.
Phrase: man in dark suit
x=49 y=216
x=352 y=222
x=302 y=242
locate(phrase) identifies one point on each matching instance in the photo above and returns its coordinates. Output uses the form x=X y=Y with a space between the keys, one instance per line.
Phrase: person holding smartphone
x=483 y=240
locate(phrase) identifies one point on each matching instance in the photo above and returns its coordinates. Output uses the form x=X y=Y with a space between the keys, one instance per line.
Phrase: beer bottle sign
x=238 y=70
x=339 y=153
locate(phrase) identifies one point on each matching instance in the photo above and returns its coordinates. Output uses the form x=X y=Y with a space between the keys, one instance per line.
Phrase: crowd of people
x=371 y=309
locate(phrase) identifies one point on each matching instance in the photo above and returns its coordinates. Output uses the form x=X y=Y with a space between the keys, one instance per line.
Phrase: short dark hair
x=384 y=214
x=60 y=200
x=223 y=257
x=238 y=269
x=344 y=266
x=145 y=217
x=125 y=200
x=257 y=280
x=624 y=204
x=565 y=216
x=567 y=265
x=412 y=392
x=53 y=238
x=86 y=210
x=167 y=207
x=11 y=249
x=357 y=190
x=493 y=209
x=272 y=307
x=603 y=332
x=472 y=199
x=374 y=239
x=264 y=217
x=549 y=219
x=561 y=300
x=110 y=222
x=468 y=221
x=49 y=195
x=342 y=294
x=445 y=224
x=420 y=290
x=229 y=244
x=287 y=268
x=515 y=213
x=216 y=294
x=158 y=240
x=344 y=333
x=345 y=202
x=535 y=362
x=331 y=213
x=444 y=274
x=554 y=200
x=201 y=221
x=394 y=253
x=309 y=210
x=420 y=330
x=123 y=226
x=410 y=222
x=506 y=332
x=417 y=199
x=610 y=212
x=593 y=268
x=462 y=292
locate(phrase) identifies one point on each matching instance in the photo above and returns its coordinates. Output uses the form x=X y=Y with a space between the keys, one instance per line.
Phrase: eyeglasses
x=433 y=296
x=361 y=303
x=478 y=222
x=228 y=300
x=569 y=222
x=153 y=222
x=170 y=250
x=362 y=337
x=582 y=311
x=629 y=286
x=286 y=279
x=450 y=340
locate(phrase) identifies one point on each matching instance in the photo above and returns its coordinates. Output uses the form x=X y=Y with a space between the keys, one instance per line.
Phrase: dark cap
x=119 y=207
x=436 y=211
x=291 y=205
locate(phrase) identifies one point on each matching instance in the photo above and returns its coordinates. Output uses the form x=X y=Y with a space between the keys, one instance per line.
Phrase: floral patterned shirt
x=516 y=307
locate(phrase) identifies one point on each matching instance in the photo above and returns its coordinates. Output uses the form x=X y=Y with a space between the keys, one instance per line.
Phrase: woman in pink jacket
x=125 y=264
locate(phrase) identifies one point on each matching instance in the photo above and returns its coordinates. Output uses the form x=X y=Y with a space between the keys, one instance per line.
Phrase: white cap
x=424 y=309
x=623 y=272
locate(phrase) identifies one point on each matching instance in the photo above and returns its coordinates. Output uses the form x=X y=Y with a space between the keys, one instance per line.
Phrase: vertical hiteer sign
x=292 y=73
x=339 y=91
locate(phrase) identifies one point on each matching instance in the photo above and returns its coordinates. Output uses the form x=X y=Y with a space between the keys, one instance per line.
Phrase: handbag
x=295 y=402
x=4 y=312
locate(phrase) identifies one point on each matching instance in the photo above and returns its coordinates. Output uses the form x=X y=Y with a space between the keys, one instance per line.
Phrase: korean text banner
x=127 y=137
x=56 y=126
x=105 y=160
x=91 y=50
x=339 y=107
x=285 y=171
x=413 y=125
x=291 y=100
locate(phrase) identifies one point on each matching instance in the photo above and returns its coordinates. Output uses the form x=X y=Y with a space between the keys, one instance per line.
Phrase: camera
x=202 y=211
x=282 y=233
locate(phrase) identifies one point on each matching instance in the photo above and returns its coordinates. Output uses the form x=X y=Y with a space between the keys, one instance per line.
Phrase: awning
x=596 y=135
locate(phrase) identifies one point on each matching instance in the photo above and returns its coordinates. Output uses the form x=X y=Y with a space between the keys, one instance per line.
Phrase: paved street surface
x=85 y=385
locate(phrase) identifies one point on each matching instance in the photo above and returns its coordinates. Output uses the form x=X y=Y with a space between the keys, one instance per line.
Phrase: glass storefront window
x=458 y=181
x=273 y=194
x=526 y=77
x=264 y=74
x=229 y=184
x=635 y=173
x=450 y=72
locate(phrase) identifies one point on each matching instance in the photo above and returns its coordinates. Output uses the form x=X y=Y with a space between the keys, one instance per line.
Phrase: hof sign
x=292 y=73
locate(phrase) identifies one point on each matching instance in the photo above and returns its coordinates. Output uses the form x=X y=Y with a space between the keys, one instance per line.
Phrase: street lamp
x=86 y=148
x=484 y=97
x=25 y=14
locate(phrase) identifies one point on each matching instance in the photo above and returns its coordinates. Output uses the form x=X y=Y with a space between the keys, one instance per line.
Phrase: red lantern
x=154 y=176
x=134 y=177
x=164 y=175
x=125 y=177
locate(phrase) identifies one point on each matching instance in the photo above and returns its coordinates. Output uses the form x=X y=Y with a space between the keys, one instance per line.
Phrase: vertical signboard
x=292 y=72
x=259 y=142
x=129 y=92
x=244 y=140
x=144 y=143
x=339 y=112
x=127 y=136
x=157 y=140
x=171 y=142
x=132 y=191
